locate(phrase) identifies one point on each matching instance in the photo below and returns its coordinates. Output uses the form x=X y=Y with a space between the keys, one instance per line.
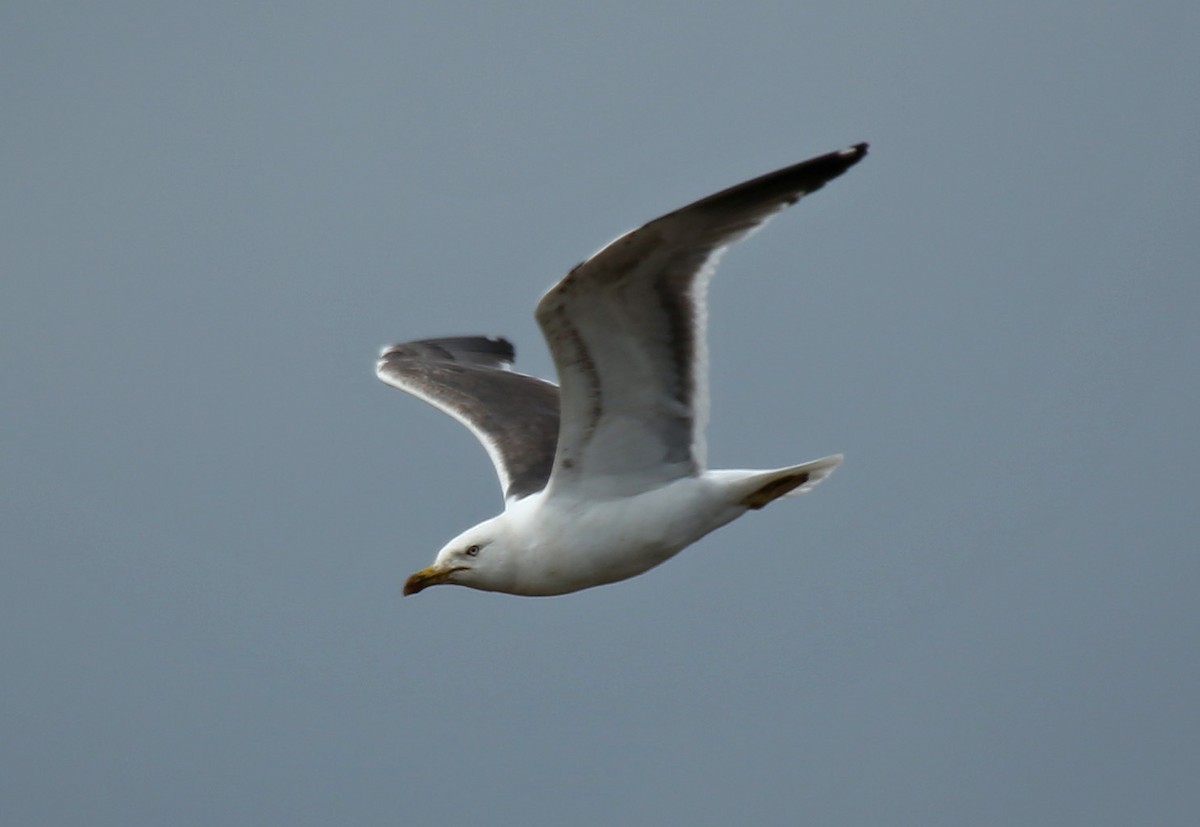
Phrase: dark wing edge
x=484 y=351
x=758 y=198
x=513 y=415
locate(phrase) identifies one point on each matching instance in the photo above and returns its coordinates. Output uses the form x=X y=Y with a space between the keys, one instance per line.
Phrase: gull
x=604 y=474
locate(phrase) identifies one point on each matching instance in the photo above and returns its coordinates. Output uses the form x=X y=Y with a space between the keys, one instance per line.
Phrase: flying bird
x=604 y=474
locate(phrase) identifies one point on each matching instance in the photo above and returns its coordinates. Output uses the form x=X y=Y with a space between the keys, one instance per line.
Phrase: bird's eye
x=472 y=551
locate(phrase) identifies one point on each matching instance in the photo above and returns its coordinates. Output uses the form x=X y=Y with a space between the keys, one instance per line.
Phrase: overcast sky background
x=215 y=214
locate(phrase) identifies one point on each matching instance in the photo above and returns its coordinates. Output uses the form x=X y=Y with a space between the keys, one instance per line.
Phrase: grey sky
x=216 y=213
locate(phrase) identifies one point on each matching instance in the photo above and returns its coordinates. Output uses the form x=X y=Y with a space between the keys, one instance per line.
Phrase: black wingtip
x=825 y=168
x=787 y=185
x=852 y=154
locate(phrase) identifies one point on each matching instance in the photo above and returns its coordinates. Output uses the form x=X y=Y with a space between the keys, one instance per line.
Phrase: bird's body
x=605 y=477
x=564 y=544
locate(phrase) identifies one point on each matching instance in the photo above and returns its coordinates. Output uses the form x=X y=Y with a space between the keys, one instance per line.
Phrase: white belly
x=584 y=543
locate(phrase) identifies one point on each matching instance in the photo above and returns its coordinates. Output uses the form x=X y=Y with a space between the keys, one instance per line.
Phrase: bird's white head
x=480 y=558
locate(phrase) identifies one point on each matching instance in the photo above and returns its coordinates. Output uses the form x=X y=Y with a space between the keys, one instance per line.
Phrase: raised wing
x=626 y=330
x=515 y=416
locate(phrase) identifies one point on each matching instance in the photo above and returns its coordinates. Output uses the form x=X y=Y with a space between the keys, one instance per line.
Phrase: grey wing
x=513 y=415
x=626 y=330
